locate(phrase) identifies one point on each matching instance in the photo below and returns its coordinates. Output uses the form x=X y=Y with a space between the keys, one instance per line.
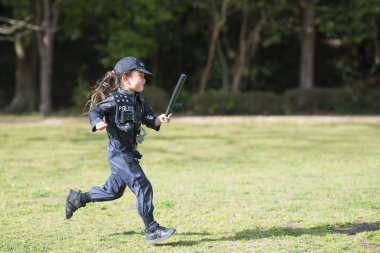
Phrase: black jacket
x=124 y=113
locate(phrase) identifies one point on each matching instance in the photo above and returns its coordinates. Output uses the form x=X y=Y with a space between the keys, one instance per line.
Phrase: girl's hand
x=101 y=125
x=163 y=119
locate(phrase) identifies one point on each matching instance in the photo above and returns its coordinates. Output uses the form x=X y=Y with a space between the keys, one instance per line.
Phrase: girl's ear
x=125 y=78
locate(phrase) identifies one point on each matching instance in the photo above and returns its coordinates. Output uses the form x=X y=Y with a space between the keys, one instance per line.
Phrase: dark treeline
x=53 y=51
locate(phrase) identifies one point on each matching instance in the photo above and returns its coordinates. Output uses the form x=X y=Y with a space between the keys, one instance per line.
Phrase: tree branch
x=14 y=24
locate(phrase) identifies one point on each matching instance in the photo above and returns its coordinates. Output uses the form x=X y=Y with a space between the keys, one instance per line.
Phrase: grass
x=226 y=187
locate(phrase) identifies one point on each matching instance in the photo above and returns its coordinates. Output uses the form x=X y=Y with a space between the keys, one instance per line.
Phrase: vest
x=129 y=112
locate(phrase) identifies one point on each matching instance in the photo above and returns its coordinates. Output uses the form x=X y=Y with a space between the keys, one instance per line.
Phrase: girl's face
x=134 y=82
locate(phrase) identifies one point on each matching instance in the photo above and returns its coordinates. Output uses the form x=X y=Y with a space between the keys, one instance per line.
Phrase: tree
x=223 y=61
x=252 y=25
x=220 y=18
x=26 y=96
x=47 y=14
x=307 y=44
x=19 y=31
x=131 y=29
x=248 y=43
x=351 y=28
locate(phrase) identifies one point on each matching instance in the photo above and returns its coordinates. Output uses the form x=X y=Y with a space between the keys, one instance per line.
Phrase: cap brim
x=145 y=71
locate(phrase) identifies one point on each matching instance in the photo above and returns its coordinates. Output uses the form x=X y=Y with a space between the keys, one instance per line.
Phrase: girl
x=118 y=106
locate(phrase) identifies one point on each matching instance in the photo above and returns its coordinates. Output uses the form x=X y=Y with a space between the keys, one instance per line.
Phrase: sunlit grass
x=228 y=187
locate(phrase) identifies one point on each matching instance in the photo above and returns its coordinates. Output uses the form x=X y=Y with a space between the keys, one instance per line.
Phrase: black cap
x=130 y=63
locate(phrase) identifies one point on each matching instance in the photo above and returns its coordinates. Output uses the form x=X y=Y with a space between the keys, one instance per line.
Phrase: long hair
x=103 y=87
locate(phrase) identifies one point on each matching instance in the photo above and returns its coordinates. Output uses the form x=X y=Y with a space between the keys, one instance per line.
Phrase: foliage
x=128 y=26
x=82 y=18
x=276 y=16
x=366 y=100
x=317 y=101
x=230 y=186
x=183 y=102
x=333 y=17
x=157 y=98
x=262 y=103
x=213 y=103
x=132 y=27
x=354 y=27
x=295 y=101
x=80 y=95
x=172 y=37
x=373 y=96
x=21 y=9
x=220 y=103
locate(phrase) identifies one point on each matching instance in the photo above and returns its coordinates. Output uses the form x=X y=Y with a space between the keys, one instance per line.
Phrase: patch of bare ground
x=369 y=246
x=40 y=120
x=203 y=119
x=300 y=119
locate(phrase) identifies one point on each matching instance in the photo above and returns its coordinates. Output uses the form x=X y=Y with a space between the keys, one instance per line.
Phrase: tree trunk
x=307 y=45
x=46 y=57
x=49 y=17
x=26 y=96
x=376 y=57
x=218 y=24
x=247 y=46
x=222 y=58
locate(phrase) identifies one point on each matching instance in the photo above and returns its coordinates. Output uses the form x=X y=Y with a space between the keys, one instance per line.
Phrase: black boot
x=74 y=200
x=158 y=234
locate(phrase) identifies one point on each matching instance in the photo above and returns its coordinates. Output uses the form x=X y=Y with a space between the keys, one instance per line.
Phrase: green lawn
x=227 y=187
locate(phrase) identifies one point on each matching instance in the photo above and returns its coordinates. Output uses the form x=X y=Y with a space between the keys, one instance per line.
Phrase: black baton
x=176 y=91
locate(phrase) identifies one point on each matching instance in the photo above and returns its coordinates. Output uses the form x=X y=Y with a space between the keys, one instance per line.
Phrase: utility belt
x=124 y=146
x=136 y=154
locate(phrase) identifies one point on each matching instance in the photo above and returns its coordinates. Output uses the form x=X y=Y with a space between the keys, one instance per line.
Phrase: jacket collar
x=126 y=92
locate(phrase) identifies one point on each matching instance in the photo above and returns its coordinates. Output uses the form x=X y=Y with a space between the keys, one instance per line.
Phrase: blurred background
x=242 y=57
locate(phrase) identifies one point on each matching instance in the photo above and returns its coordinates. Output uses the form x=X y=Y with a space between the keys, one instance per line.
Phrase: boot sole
x=161 y=239
x=68 y=215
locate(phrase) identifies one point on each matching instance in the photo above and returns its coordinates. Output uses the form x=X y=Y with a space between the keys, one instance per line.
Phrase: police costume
x=124 y=113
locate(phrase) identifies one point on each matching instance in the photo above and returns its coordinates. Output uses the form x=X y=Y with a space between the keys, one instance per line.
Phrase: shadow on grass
x=127 y=233
x=251 y=234
x=142 y=233
x=353 y=229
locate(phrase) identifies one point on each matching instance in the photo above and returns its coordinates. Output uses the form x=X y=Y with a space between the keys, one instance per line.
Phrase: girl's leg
x=139 y=184
x=112 y=189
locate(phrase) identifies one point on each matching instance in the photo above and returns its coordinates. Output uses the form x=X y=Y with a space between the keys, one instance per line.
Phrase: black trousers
x=125 y=171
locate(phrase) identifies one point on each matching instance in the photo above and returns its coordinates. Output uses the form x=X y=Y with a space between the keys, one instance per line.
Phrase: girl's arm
x=162 y=119
x=98 y=111
x=150 y=120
